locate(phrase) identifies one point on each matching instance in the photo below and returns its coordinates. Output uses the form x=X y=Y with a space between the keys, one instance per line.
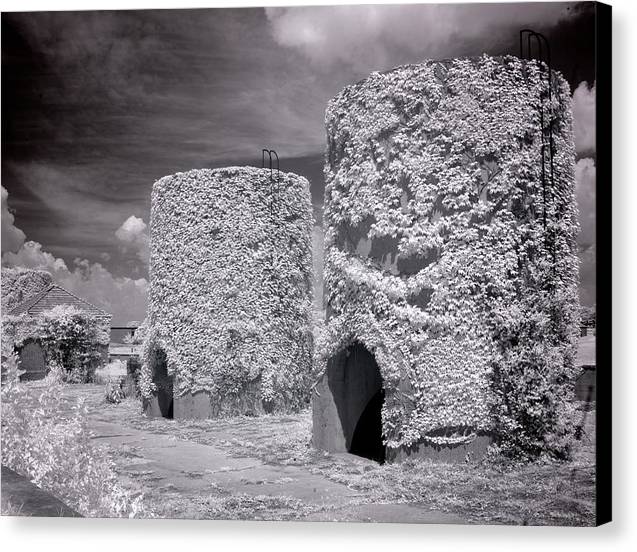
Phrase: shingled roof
x=55 y=296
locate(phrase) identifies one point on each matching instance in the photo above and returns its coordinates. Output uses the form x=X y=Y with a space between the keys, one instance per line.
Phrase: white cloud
x=132 y=234
x=368 y=36
x=131 y=229
x=125 y=298
x=584 y=117
x=585 y=181
x=12 y=237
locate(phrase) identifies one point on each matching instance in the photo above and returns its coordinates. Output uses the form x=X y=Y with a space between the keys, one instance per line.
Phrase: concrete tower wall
x=230 y=293
x=443 y=239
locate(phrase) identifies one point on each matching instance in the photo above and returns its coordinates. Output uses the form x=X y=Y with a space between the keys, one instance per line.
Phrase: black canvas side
x=603 y=76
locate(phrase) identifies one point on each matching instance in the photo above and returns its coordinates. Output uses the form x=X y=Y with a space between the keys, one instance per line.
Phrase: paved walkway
x=192 y=469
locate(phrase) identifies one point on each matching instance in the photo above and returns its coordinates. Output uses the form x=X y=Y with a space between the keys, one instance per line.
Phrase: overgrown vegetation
x=69 y=337
x=19 y=284
x=243 y=236
x=53 y=448
x=446 y=256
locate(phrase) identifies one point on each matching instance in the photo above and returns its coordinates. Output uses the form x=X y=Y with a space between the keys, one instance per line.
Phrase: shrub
x=588 y=315
x=114 y=391
x=55 y=450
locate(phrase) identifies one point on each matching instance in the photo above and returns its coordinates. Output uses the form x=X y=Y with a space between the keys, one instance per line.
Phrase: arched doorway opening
x=32 y=361
x=164 y=384
x=356 y=384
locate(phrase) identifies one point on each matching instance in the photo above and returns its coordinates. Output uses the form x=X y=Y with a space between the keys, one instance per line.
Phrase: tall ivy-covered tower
x=230 y=303
x=450 y=262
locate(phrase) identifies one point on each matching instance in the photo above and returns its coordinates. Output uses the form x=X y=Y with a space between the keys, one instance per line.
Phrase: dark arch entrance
x=357 y=387
x=164 y=384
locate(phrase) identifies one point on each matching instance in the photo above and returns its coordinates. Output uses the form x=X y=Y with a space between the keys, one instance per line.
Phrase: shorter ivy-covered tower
x=450 y=263
x=229 y=316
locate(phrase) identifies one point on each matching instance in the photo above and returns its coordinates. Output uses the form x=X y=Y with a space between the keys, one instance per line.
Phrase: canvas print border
x=210 y=313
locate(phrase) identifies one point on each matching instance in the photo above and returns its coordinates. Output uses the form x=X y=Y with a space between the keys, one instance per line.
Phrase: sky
x=96 y=106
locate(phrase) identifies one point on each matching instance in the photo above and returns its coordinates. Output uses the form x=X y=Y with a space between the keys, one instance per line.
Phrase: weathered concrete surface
x=20 y=497
x=351 y=380
x=586 y=351
x=193 y=406
x=475 y=449
x=344 y=396
x=388 y=512
x=586 y=382
x=192 y=469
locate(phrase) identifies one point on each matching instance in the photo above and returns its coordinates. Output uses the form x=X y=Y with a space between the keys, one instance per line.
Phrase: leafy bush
x=588 y=315
x=55 y=450
x=114 y=391
x=533 y=377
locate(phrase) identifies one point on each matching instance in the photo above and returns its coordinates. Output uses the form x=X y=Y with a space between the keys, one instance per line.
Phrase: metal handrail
x=270 y=166
x=271 y=153
x=540 y=40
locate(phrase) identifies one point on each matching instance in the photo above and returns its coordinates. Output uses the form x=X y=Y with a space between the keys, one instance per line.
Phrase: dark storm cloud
x=98 y=105
x=101 y=104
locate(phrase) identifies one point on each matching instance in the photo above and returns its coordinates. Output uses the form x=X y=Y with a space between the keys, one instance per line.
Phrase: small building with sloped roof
x=21 y=330
x=56 y=296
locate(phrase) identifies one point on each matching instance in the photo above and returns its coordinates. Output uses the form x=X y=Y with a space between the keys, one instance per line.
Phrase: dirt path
x=189 y=479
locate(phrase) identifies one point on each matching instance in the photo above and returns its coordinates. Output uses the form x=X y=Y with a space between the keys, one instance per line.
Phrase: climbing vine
x=230 y=299
x=437 y=258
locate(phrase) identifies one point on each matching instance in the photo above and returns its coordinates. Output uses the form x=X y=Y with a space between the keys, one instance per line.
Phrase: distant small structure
x=56 y=296
x=124 y=351
x=586 y=362
x=122 y=347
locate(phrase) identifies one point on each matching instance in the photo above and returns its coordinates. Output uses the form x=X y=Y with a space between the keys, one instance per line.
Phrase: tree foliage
x=19 y=284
